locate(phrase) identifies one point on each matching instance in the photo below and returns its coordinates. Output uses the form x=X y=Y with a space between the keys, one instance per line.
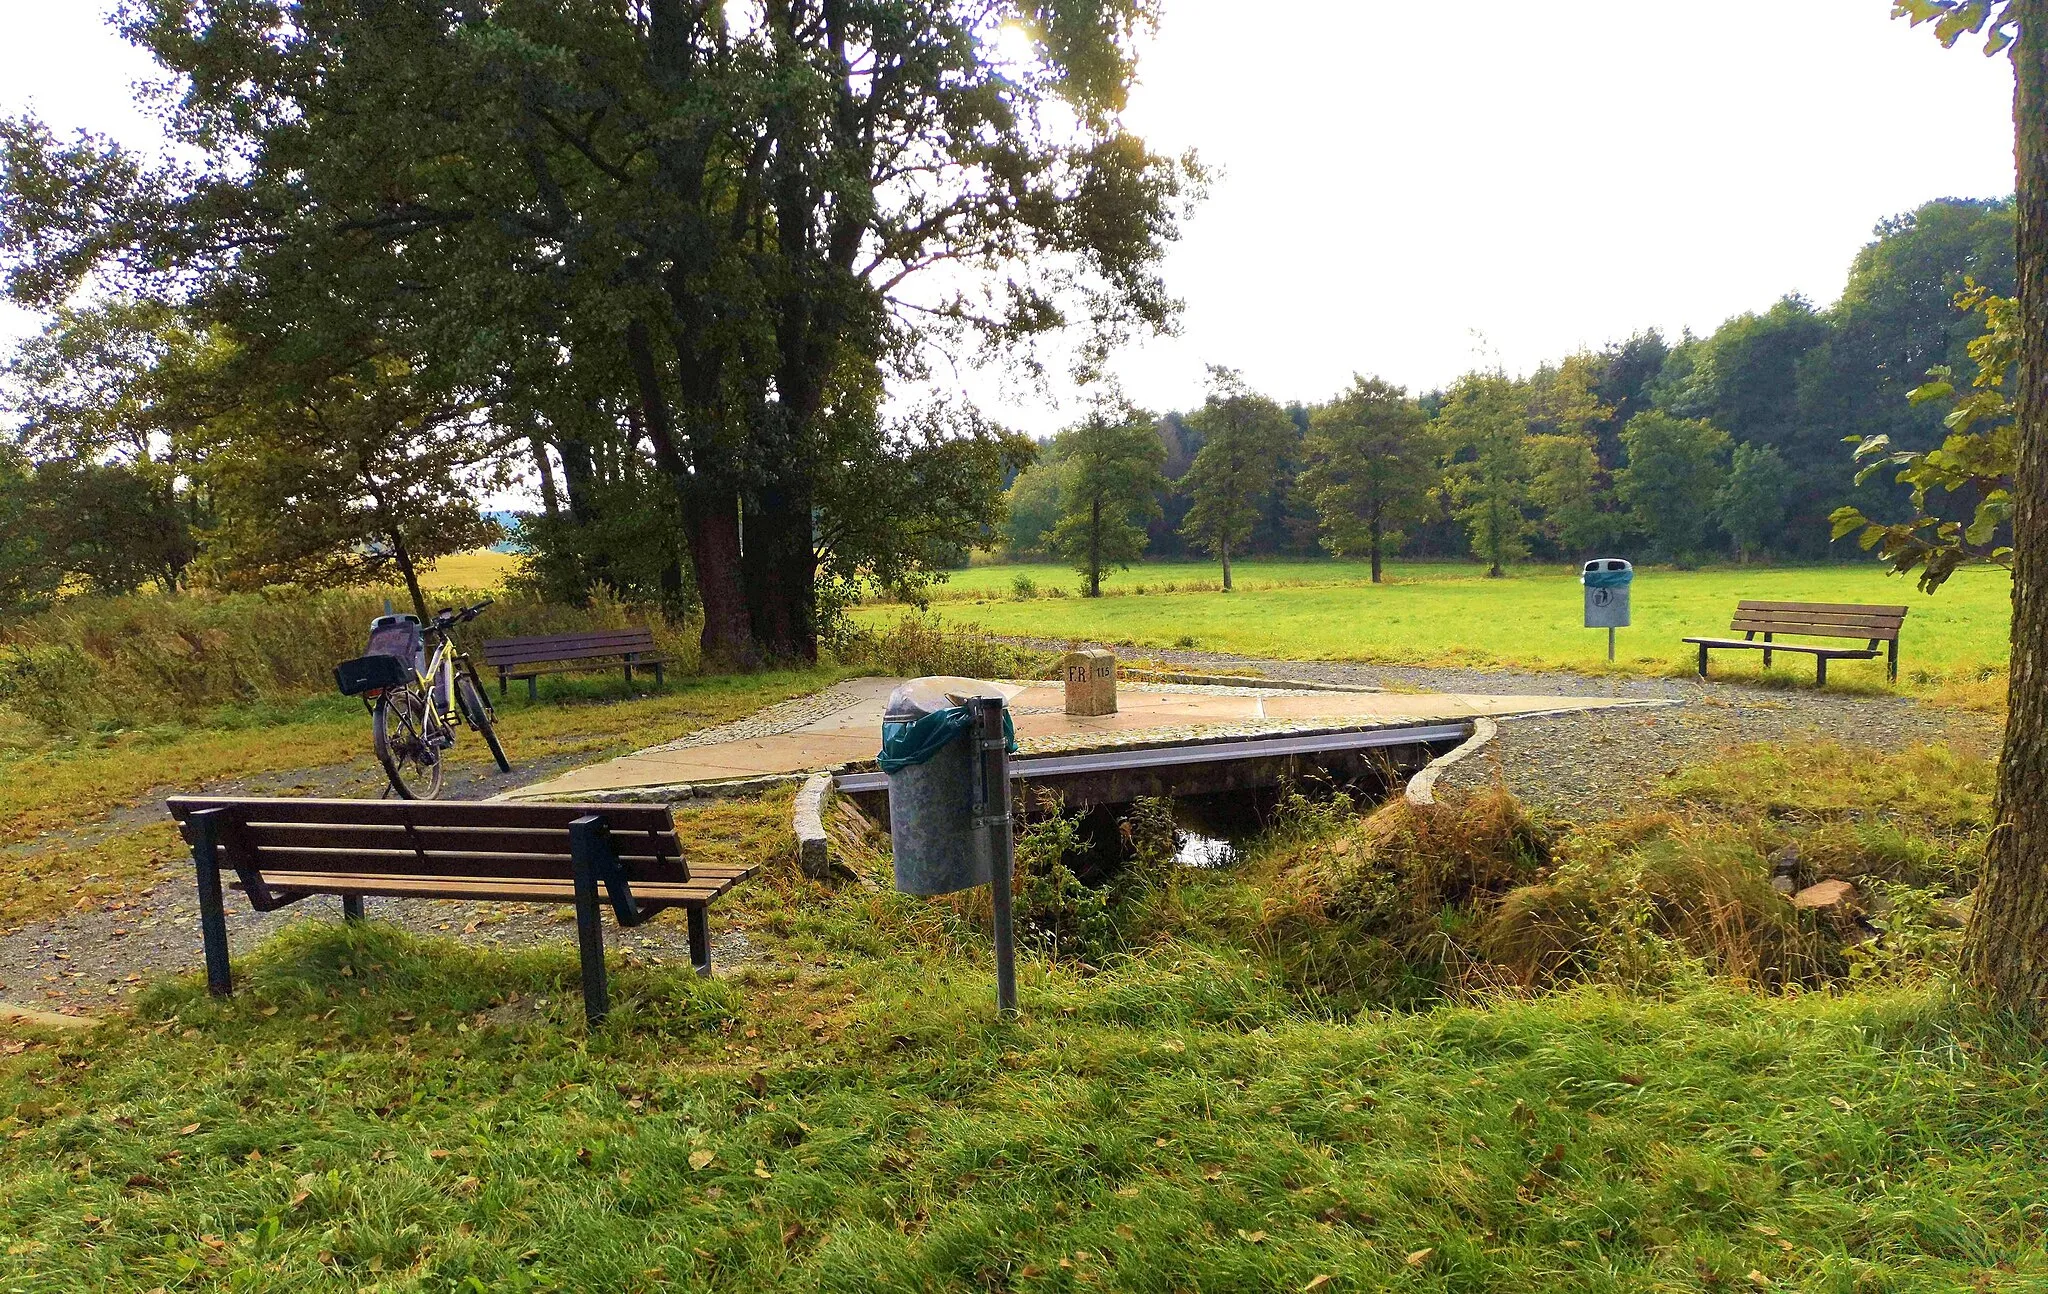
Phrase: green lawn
x=374 y=1112
x=1452 y=615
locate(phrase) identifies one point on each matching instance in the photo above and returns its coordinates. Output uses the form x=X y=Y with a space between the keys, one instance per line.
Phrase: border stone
x=1422 y=787
x=807 y=820
x=1139 y=674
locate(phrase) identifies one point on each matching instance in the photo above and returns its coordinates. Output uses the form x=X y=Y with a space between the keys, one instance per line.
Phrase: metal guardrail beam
x=1210 y=752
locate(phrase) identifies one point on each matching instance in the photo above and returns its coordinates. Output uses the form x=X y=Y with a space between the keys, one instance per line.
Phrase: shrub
x=921 y=645
x=1023 y=588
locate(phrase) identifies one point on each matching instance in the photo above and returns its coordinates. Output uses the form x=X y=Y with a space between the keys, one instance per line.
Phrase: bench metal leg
x=657 y=674
x=533 y=687
x=1703 y=660
x=590 y=943
x=504 y=684
x=1767 y=653
x=629 y=671
x=1891 y=663
x=1820 y=671
x=700 y=939
x=351 y=907
x=213 y=917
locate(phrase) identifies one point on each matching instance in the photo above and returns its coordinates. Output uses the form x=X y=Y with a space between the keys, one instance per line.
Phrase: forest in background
x=1738 y=449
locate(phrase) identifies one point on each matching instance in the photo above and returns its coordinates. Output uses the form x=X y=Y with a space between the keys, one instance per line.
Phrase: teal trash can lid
x=924 y=715
x=1607 y=573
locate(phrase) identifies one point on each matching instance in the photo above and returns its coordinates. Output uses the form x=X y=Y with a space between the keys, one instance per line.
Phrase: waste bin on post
x=1607 y=581
x=945 y=746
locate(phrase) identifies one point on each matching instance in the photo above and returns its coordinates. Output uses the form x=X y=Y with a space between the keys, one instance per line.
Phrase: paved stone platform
x=842 y=728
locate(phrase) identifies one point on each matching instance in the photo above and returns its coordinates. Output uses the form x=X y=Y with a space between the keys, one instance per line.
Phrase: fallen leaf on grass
x=1317 y=1283
x=188 y=1129
x=701 y=1159
x=1420 y=1257
x=1251 y=1237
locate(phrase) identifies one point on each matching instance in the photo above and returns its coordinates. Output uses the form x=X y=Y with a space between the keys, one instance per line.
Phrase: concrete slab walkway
x=849 y=732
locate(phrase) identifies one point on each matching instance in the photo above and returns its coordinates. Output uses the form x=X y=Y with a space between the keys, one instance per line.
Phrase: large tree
x=1371 y=463
x=1109 y=489
x=729 y=213
x=1244 y=435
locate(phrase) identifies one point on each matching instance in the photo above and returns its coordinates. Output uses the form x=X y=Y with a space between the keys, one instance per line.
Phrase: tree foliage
x=1371 y=463
x=1675 y=470
x=1484 y=426
x=1244 y=436
x=1109 y=489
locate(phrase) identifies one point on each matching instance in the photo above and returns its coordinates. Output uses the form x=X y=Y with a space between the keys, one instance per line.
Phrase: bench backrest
x=432 y=837
x=559 y=647
x=1820 y=619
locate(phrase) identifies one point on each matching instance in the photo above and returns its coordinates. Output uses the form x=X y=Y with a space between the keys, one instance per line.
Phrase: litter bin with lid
x=1607 y=581
x=928 y=751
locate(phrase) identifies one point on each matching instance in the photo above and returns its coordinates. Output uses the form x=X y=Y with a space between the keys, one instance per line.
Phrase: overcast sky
x=1411 y=197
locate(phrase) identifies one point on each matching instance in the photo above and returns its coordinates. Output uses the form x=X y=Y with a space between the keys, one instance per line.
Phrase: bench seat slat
x=385 y=885
x=437 y=862
x=536 y=656
x=1818 y=628
x=1810 y=649
x=603 y=637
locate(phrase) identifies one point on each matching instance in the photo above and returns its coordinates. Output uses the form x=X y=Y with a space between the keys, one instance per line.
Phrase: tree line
x=1729 y=445
x=663 y=258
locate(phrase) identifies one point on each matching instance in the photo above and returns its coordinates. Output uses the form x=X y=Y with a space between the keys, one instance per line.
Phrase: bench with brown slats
x=578 y=653
x=279 y=851
x=1873 y=624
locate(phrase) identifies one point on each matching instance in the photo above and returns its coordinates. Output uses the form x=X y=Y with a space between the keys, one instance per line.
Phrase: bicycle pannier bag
x=398 y=636
x=370 y=674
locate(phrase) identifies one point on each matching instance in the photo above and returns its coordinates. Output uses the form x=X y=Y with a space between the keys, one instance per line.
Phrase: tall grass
x=101 y=663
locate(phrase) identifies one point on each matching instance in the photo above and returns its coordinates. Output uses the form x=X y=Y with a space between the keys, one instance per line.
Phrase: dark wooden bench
x=278 y=851
x=1873 y=624
x=580 y=653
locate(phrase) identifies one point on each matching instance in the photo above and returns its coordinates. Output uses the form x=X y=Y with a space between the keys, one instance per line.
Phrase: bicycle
x=416 y=700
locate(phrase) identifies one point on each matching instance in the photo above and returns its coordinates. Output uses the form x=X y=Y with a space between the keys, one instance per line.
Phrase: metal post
x=204 y=828
x=1610 y=643
x=992 y=832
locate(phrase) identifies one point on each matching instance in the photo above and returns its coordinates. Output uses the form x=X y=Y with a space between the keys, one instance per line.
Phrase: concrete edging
x=1422 y=787
x=16 y=1013
x=807 y=820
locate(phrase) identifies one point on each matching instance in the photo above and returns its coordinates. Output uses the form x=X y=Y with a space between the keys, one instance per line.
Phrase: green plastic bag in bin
x=908 y=740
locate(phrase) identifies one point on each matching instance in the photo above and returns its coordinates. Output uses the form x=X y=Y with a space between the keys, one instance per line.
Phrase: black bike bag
x=366 y=674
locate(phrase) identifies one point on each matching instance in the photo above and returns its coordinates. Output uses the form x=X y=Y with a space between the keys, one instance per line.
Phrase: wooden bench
x=1873 y=624
x=580 y=653
x=279 y=851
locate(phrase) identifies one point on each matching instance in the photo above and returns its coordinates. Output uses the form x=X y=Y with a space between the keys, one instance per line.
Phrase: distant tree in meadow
x=1244 y=436
x=1484 y=425
x=1109 y=489
x=1751 y=503
x=1371 y=462
x=1674 y=473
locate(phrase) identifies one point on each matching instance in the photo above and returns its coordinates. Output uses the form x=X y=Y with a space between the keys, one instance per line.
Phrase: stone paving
x=843 y=727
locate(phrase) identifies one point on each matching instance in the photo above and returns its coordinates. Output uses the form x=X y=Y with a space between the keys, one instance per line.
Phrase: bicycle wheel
x=403 y=729
x=476 y=708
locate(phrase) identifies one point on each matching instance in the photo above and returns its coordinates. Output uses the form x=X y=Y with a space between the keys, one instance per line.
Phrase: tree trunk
x=403 y=556
x=1095 y=548
x=781 y=569
x=1223 y=547
x=550 y=503
x=1378 y=532
x=2005 y=951
x=711 y=518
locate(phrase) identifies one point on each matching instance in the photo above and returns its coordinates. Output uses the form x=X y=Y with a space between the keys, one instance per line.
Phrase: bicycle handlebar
x=448 y=618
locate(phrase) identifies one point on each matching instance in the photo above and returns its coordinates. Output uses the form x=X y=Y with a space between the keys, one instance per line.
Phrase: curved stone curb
x=807 y=820
x=15 y=1013
x=1422 y=787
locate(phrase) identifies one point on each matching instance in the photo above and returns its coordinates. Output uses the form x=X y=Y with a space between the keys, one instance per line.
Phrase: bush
x=113 y=662
x=922 y=645
x=1023 y=588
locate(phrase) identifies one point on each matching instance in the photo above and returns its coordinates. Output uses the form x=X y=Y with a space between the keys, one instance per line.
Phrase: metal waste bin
x=1607 y=580
x=929 y=757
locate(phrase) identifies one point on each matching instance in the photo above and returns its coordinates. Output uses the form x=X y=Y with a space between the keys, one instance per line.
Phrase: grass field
x=1452 y=615
x=374 y=1112
x=483 y=569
